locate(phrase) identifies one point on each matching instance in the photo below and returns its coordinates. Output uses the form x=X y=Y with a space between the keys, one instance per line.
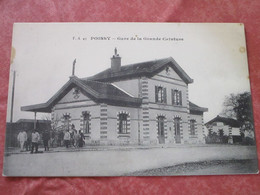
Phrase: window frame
x=176 y=97
x=66 y=121
x=177 y=126
x=161 y=121
x=221 y=132
x=160 y=95
x=122 y=117
x=86 y=122
x=192 y=127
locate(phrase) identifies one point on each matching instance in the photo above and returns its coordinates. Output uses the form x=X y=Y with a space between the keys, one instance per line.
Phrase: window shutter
x=180 y=95
x=164 y=96
x=156 y=94
x=172 y=97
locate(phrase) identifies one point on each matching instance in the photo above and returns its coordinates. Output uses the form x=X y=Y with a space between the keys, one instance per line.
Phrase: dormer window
x=160 y=94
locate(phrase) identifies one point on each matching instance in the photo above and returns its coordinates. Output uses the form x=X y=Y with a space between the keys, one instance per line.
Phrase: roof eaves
x=194 y=107
x=182 y=72
x=227 y=121
x=45 y=107
x=36 y=108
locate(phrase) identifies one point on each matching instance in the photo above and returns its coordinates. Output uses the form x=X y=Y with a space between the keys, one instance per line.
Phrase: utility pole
x=34 y=122
x=12 y=102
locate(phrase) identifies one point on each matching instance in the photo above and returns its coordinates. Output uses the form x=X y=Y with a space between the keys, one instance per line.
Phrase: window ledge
x=161 y=103
x=123 y=134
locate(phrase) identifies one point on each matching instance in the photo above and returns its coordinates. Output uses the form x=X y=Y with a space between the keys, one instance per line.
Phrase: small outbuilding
x=226 y=130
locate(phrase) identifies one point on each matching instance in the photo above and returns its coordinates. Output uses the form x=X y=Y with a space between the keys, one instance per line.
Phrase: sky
x=213 y=55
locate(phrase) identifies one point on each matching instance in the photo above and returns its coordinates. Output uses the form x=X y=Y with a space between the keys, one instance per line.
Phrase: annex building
x=225 y=127
x=142 y=103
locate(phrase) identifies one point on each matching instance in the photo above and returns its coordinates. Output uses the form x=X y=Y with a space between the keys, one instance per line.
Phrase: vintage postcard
x=129 y=99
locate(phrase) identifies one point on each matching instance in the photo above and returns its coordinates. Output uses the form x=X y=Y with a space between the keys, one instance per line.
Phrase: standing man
x=22 y=138
x=76 y=139
x=67 y=138
x=35 y=140
x=46 y=138
x=74 y=131
x=29 y=140
x=60 y=136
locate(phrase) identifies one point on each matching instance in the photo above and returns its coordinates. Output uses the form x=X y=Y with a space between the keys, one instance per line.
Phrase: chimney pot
x=116 y=62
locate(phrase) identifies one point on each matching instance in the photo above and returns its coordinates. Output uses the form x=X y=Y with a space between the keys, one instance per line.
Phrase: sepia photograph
x=129 y=99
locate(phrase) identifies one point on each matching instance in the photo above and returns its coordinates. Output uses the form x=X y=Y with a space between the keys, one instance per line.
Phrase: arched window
x=161 y=125
x=123 y=123
x=177 y=129
x=192 y=127
x=177 y=126
x=66 y=121
x=86 y=122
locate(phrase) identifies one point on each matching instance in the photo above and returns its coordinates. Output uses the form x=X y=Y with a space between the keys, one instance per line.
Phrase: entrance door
x=177 y=128
x=161 y=135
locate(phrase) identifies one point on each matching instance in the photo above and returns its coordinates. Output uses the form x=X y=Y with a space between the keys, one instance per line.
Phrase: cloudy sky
x=214 y=55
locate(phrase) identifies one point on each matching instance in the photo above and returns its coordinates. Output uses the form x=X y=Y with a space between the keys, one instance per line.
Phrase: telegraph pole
x=12 y=102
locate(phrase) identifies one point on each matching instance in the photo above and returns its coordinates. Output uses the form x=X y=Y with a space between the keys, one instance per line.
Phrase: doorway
x=161 y=133
x=177 y=129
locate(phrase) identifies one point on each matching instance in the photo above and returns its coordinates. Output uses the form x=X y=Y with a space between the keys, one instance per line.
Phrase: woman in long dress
x=81 y=139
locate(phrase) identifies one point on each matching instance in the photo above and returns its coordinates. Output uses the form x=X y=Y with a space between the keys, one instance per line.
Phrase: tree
x=239 y=106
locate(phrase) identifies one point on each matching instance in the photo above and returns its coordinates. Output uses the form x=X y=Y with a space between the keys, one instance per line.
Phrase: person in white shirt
x=35 y=141
x=67 y=138
x=22 y=138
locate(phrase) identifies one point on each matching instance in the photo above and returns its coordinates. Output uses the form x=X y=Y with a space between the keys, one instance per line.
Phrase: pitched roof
x=148 y=68
x=227 y=121
x=196 y=108
x=98 y=91
x=106 y=89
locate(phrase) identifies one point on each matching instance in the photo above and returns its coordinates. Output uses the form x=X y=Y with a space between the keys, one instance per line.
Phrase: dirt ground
x=117 y=162
x=215 y=167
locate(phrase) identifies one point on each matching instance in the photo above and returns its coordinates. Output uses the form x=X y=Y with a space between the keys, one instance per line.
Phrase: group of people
x=30 y=141
x=74 y=138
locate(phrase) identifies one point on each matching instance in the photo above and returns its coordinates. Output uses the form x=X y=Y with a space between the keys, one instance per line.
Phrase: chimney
x=116 y=62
